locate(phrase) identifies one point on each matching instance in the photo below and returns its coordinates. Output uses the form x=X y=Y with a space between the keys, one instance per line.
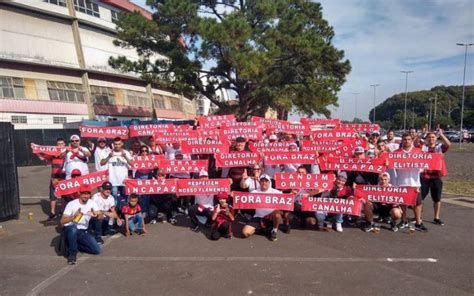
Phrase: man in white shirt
x=264 y=218
x=101 y=152
x=119 y=161
x=390 y=142
x=76 y=157
x=75 y=219
x=106 y=204
x=203 y=206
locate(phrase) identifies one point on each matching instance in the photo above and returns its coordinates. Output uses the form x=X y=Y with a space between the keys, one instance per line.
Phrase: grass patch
x=465 y=188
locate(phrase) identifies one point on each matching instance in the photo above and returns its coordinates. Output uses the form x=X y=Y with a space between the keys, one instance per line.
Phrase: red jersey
x=128 y=210
x=57 y=164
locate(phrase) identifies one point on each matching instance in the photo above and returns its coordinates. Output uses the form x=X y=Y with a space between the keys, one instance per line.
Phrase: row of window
x=85 y=6
x=14 y=88
x=23 y=119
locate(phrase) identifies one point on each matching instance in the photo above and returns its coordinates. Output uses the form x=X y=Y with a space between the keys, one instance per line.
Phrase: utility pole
x=435 y=103
x=375 y=87
x=466 y=45
x=406 y=94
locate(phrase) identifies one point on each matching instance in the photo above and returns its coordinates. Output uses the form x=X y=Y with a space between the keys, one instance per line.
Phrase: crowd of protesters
x=87 y=218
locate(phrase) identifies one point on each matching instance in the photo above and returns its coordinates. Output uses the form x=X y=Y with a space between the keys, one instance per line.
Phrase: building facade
x=54 y=66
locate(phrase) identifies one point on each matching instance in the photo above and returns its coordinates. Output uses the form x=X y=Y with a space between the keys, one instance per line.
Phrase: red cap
x=76 y=173
x=222 y=195
x=85 y=188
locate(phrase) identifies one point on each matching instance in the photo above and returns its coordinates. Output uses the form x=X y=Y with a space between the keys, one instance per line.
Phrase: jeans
x=118 y=193
x=162 y=203
x=321 y=217
x=135 y=222
x=80 y=239
x=100 y=226
x=143 y=200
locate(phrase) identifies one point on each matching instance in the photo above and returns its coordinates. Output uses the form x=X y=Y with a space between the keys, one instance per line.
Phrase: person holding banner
x=75 y=219
x=106 y=204
x=57 y=174
x=76 y=157
x=118 y=161
x=431 y=180
x=236 y=173
x=252 y=182
x=306 y=218
x=101 y=151
x=223 y=216
x=203 y=206
x=338 y=191
x=144 y=174
x=264 y=218
x=293 y=167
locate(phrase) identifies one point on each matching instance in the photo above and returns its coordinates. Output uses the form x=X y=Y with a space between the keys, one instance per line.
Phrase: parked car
x=471 y=136
x=452 y=136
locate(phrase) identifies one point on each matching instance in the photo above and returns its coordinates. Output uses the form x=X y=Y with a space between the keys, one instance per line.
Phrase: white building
x=54 y=66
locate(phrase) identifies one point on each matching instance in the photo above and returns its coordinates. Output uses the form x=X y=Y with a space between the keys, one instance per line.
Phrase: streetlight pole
x=375 y=87
x=429 y=117
x=406 y=94
x=466 y=45
x=355 y=111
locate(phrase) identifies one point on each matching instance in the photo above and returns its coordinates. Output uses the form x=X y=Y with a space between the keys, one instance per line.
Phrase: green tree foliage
x=448 y=106
x=271 y=53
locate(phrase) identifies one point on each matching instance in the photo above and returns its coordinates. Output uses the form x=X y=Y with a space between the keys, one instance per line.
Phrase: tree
x=271 y=53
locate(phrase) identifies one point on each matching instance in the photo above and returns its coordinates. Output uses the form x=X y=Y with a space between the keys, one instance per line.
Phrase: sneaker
x=173 y=221
x=287 y=228
x=273 y=235
x=52 y=217
x=99 y=240
x=393 y=226
x=369 y=227
x=153 y=221
x=339 y=227
x=140 y=232
x=421 y=227
x=228 y=236
x=438 y=222
x=71 y=259
x=402 y=225
x=195 y=228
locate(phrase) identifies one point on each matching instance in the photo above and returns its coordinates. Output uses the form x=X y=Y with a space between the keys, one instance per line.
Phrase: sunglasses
x=74 y=141
x=144 y=151
x=256 y=169
x=102 y=141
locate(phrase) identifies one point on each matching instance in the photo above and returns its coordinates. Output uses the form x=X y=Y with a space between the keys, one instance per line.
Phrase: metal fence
x=9 y=190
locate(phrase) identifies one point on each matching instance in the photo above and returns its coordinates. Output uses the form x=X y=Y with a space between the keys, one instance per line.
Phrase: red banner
x=215 y=120
x=148 y=162
x=204 y=146
x=209 y=133
x=182 y=166
x=71 y=186
x=300 y=157
x=334 y=134
x=144 y=130
x=360 y=127
x=202 y=186
x=347 y=149
x=304 y=181
x=243 y=124
x=251 y=200
x=319 y=123
x=269 y=147
x=404 y=161
x=236 y=159
x=290 y=128
x=372 y=165
x=231 y=133
x=269 y=122
x=153 y=186
x=322 y=146
x=387 y=195
x=175 y=136
x=47 y=150
x=348 y=206
x=104 y=131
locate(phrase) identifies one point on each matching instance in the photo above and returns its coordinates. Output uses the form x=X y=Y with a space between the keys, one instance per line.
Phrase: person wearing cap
x=163 y=203
x=372 y=151
x=101 y=152
x=76 y=157
x=75 y=195
x=106 y=204
x=119 y=161
x=203 y=206
x=75 y=219
x=251 y=182
x=222 y=217
x=339 y=190
x=264 y=219
x=307 y=218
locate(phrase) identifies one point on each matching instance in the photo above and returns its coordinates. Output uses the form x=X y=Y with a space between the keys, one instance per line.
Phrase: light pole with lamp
x=466 y=45
x=406 y=94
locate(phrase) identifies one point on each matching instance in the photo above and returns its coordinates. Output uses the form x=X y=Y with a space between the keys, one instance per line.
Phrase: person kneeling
x=223 y=216
x=133 y=216
x=75 y=220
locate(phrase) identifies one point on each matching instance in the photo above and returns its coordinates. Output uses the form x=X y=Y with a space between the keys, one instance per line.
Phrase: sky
x=383 y=37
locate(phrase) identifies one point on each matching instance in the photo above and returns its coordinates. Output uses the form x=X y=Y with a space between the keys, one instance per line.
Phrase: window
x=87 y=6
x=136 y=98
x=57 y=2
x=103 y=95
x=175 y=104
x=65 y=92
x=115 y=15
x=159 y=102
x=59 y=120
x=19 y=119
x=12 y=88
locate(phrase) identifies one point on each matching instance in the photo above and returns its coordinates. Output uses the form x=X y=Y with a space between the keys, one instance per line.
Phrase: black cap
x=107 y=186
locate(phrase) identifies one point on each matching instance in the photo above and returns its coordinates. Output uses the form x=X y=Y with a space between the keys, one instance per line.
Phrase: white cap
x=273 y=137
x=359 y=149
x=293 y=144
x=75 y=137
x=203 y=173
x=385 y=174
x=265 y=176
x=342 y=175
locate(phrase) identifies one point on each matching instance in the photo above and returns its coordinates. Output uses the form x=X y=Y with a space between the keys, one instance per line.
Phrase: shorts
x=52 y=197
x=256 y=222
x=433 y=185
